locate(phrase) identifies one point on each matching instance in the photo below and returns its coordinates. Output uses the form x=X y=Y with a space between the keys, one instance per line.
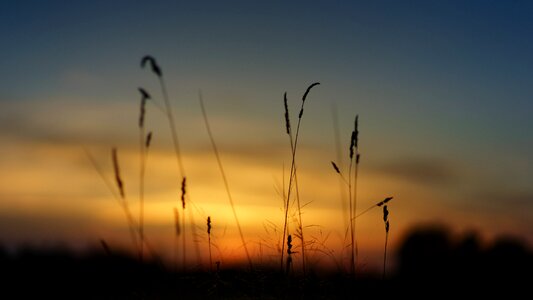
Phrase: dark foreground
x=431 y=265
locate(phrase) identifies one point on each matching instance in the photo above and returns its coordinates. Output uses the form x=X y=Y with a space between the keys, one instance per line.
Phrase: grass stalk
x=352 y=191
x=132 y=224
x=355 y=148
x=177 y=232
x=183 y=193
x=386 y=221
x=177 y=151
x=118 y=196
x=289 y=254
x=340 y=160
x=142 y=150
x=209 y=243
x=293 y=170
x=122 y=200
x=300 y=225
x=381 y=203
x=224 y=178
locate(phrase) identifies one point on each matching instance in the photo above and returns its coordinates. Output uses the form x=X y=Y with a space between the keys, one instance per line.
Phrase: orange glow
x=51 y=192
x=255 y=187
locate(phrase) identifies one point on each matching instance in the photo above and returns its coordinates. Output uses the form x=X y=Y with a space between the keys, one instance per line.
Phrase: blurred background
x=442 y=89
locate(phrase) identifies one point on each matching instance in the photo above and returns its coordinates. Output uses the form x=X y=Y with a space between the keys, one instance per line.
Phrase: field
x=431 y=262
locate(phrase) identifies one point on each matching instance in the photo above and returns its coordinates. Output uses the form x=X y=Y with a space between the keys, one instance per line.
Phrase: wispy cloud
x=421 y=171
x=65 y=122
x=507 y=199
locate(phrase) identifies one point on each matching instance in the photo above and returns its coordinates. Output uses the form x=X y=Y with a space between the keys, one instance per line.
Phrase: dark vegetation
x=431 y=262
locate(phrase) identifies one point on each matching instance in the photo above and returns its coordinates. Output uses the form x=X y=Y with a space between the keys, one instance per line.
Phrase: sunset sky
x=443 y=90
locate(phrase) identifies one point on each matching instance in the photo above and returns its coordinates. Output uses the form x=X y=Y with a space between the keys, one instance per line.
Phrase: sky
x=442 y=89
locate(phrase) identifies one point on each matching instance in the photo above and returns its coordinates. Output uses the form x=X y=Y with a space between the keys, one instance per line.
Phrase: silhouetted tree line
x=431 y=262
x=432 y=258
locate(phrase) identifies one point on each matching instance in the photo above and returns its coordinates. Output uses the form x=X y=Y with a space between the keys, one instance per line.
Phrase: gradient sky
x=443 y=90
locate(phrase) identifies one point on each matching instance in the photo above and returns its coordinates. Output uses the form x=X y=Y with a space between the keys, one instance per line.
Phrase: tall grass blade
x=224 y=178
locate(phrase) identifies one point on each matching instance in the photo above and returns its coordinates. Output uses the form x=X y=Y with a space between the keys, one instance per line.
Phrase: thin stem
x=175 y=142
x=356 y=171
x=133 y=226
x=194 y=235
x=365 y=211
x=177 y=231
x=340 y=161
x=385 y=254
x=352 y=245
x=209 y=243
x=224 y=179
x=210 y=259
x=299 y=210
x=172 y=125
x=293 y=169
x=300 y=222
x=183 y=241
x=170 y=118
x=141 y=190
x=179 y=161
x=121 y=202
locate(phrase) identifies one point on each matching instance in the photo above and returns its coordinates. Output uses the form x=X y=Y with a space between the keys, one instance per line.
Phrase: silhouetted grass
x=430 y=262
x=294 y=143
x=167 y=110
x=209 y=243
x=386 y=221
x=122 y=200
x=224 y=178
x=143 y=144
x=264 y=281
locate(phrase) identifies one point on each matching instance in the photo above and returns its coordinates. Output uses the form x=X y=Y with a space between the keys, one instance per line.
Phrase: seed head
x=385 y=214
x=183 y=191
x=287 y=120
x=308 y=89
x=384 y=201
x=155 y=68
x=120 y=184
x=335 y=167
x=148 y=139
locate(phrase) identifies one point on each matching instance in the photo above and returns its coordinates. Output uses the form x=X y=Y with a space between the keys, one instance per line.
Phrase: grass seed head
x=305 y=97
x=148 y=140
x=116 y=168
x=352 y=144
x=308 y=89
x=155 y=67
x=287 y=120
x=183 y=191
x=289 y=244
x=144 y=93
x=384 y=201
x=143 y=112
x=336 y=167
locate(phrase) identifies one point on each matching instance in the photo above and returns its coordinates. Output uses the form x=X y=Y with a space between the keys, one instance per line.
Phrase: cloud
x=421 y=171
x=499 y=198
x=65 y=123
